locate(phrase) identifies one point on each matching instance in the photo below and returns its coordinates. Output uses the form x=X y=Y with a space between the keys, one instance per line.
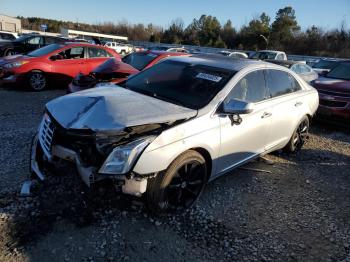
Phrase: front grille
x=46 y=135
x=331 y=93
x=330 y=103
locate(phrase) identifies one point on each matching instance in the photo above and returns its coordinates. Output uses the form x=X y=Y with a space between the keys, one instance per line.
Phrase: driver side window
x=251 y=88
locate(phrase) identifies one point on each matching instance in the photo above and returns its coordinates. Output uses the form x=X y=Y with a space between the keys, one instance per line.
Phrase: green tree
x=256 y=34
x=175 y=33
x=228 y=34
x=284 y=27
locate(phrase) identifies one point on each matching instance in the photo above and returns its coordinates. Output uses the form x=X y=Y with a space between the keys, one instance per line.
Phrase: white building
x=89 y=35
x=11 y=24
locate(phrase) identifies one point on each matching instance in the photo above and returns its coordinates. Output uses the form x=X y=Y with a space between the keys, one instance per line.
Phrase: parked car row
x=83 y=66
x=115 y=71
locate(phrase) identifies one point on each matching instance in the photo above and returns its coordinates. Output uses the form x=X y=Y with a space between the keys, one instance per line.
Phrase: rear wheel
x=299 y=136
x=180 y=185
x=36 y=81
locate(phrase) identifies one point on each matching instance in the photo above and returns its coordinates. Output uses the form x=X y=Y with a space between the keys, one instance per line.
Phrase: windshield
x=192 y=86
x=139 y=60
x=342 y=71
x=45 y=50
x=324 y=64
x=263 y=55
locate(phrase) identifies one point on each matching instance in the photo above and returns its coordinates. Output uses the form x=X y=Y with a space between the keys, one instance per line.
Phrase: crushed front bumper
x=40 y=158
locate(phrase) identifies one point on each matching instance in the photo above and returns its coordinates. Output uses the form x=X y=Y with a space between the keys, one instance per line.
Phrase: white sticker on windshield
x=209 y=77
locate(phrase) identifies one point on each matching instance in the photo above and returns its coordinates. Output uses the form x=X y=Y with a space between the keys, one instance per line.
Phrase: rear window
x=280 y=83
x=139 y=60
x=192 y=86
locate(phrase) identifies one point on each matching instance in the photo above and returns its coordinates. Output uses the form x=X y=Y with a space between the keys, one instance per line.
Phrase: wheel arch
x=208 y=159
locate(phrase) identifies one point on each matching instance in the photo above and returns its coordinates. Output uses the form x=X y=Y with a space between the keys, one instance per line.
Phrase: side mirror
x=237 y=107
x=56 y=57
x=234 y=108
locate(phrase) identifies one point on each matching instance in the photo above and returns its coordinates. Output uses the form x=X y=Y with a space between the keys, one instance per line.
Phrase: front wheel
x=299 y=136
x=36 y=81
x=9 y=52
x=179 y=186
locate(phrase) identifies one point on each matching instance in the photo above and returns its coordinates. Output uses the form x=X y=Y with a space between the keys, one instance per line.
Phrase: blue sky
x=327 y=14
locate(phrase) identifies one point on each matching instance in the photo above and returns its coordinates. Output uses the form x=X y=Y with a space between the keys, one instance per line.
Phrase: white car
x=167 y=131
x=120 y=48
x=269 y=54
x=234 y=54
x=8 y=36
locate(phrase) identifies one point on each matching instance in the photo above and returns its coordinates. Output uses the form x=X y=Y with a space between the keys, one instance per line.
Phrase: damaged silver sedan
x=167 y=131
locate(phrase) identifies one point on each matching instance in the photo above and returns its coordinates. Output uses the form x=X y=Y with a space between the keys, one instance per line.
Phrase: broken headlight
x=122 y=158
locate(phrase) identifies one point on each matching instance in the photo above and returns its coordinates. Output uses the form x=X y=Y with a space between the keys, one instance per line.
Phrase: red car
x=56 y=63
x=334 y=93
x=116 y=71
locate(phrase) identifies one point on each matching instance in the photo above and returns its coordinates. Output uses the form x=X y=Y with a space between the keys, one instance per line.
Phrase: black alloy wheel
x=180 y=185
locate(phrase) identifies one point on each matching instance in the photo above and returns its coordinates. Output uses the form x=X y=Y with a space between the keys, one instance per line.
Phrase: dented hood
x=113 y=108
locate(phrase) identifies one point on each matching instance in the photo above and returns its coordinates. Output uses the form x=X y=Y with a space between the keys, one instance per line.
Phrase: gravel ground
x=297 y=210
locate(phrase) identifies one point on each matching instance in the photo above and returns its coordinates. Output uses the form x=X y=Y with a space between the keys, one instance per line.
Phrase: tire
x=9 y=52
x=123 y=52
x=299 y=137
x=179 y=186
x=36 y=81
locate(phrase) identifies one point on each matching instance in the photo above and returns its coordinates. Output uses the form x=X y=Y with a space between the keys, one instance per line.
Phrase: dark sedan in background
x=28 y=43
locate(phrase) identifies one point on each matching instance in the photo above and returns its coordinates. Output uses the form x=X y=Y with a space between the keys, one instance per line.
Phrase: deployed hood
x=332 y=84
x=113 y=65
x=113 y=108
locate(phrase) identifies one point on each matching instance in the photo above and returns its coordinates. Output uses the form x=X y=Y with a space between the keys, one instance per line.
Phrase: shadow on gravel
x=61 y=198
x=64 y=198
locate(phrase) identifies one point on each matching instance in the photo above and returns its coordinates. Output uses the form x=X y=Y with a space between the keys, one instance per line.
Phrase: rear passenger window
x=251 y=88
x=97 y=52
x=280 y=83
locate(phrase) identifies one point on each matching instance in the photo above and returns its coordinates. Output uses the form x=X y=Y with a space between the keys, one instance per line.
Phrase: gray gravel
x=298 y=212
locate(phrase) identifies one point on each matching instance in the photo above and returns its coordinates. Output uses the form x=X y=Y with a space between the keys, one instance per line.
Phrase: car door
x=95 y=57
x=68 y=63
x=246 y=140
x=286 y=101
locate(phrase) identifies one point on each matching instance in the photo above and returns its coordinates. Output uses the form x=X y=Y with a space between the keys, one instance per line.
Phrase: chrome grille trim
x=46 y=131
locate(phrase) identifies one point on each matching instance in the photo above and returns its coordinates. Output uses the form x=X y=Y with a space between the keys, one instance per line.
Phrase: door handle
x=298 y=103
x=266 y=115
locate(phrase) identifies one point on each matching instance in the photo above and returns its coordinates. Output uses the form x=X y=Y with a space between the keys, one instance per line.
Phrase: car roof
x=224 y=62
x=163 y=53
x=81 y=44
